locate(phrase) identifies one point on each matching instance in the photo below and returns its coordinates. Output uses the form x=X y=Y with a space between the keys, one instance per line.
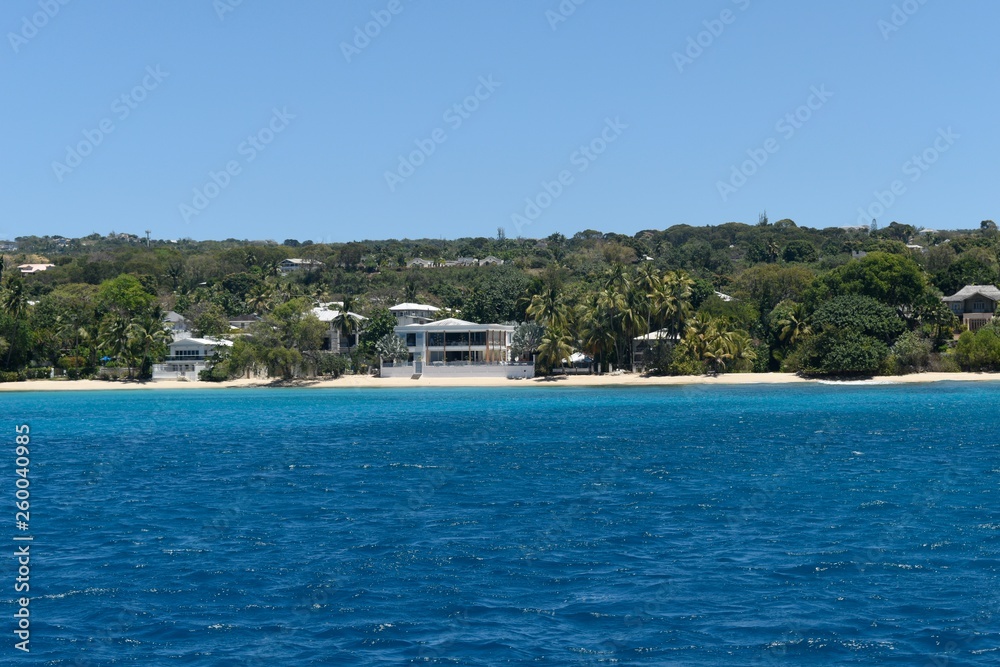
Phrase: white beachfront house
x=332 y=340
x=414 y=313
x=188 y=357
x=456 y=348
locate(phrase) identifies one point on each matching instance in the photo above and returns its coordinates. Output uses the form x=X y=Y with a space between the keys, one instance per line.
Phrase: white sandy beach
x=364 y=381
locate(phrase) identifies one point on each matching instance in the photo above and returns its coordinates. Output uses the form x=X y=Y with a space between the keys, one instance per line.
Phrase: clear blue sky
x=927 y=88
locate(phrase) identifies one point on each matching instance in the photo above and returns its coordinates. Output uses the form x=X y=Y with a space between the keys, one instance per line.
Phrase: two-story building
x=188 y=357
x=414 y=313
x=333 y=341
x=974 y=305
x=456 y=348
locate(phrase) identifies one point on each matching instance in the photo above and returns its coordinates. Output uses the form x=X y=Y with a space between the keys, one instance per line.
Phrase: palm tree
x=556 y=347
x=597 y=335
x=794 y=325
x=14 y=302
x=649 y=282
x=147 y=335
x=548 y=308
x=345 y=321
x=674 y=300
x=114 y=339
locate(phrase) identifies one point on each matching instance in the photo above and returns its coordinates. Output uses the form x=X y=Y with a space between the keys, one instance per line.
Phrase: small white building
x=414 y=313
x=420 y=263
x=188 y=357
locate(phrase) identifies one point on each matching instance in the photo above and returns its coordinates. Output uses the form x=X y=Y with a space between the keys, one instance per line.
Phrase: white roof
x=724 y=297
x=414 y=306
x=327 y=315
x=662 y=334
x=450 y=322
x=296 y=260
x=34 y=268
x=989 y=291
x=204 y=341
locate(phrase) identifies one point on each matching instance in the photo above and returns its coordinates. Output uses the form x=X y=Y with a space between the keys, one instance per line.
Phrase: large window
x=411 y=340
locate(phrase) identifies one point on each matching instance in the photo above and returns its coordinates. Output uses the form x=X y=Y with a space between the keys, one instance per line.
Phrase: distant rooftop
x=414 y=306
x=969 y=291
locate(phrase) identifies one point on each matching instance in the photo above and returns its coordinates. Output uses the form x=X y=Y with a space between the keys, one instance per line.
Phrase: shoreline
x=619 y=380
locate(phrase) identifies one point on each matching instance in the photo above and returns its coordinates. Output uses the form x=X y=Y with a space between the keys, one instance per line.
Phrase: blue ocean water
x=804 y=525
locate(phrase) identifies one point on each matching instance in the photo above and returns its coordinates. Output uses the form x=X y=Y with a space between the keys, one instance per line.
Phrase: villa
x=456 y=348
x=332 y=340
x=414 y=313
x=291 y=265
x=179 y=325
x=420 y=263
x=187 y=358
x=974 y=305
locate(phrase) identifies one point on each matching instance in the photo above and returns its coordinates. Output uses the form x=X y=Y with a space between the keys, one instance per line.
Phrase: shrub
x=911 y=353
x=842 y=352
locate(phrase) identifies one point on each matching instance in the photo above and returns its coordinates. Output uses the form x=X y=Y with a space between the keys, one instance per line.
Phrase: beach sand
x=610 y=380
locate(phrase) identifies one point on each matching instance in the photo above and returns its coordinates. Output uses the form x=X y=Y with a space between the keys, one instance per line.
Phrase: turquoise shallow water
x=647 y=526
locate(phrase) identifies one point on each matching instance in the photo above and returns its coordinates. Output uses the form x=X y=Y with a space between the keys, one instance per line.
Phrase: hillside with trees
x=728 y=298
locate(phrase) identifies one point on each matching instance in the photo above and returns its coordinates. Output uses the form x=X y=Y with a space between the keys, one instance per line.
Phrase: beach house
x=974 y=305
x=188 y=357
x=456 y=348
x=414 y=313
x=333 y=340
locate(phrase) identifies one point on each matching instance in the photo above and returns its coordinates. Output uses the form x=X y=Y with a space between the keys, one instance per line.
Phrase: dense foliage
x=732 y=297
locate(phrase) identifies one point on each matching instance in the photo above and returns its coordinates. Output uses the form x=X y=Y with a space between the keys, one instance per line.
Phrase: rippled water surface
x=649 y=526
